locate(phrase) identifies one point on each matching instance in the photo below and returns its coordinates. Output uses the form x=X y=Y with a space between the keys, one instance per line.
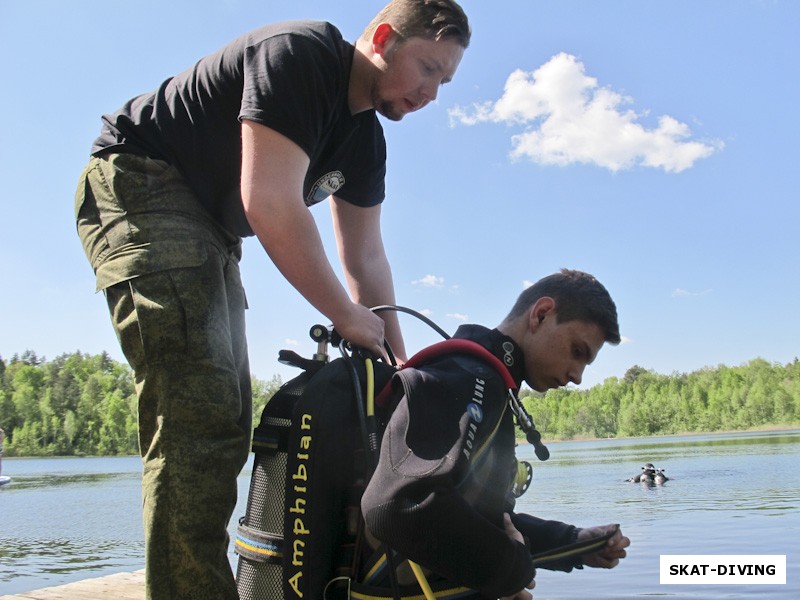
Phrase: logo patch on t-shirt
x=326 y=186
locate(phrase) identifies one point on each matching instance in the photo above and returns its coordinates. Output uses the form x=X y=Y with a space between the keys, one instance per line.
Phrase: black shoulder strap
x=464 y=346
x=453 y=346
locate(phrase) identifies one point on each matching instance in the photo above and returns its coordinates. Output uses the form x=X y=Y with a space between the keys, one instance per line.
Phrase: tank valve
x=321 y=335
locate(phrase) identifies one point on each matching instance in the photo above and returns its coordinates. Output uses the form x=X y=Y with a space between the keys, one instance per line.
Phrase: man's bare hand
x=363 y=328
x=609 y=555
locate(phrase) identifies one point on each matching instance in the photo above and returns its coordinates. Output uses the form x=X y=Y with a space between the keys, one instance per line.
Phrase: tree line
x=82 y=405
x=643 y=403
x=77 y=405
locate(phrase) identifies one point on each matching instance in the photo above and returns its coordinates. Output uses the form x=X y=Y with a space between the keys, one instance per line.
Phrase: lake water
x=67 y=519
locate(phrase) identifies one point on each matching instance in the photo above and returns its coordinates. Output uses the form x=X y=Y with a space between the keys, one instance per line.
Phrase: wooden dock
x=120 y=586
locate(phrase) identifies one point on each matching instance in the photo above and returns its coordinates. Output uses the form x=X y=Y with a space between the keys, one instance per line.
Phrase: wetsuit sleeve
x=542 y=535
x=413 y=502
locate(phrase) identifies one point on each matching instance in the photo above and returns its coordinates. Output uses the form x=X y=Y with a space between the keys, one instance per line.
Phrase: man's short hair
x=430 y=19
x=578 y=296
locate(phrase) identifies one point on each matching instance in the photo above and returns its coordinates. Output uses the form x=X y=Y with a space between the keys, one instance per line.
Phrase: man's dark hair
x=578 y=296
x=430 y=19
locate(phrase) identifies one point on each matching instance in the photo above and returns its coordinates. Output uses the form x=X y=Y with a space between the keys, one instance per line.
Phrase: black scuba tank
x=259 y=538
x=298 y=532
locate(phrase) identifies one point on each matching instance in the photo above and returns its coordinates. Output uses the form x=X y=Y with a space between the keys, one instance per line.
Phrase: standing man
x=241 y=144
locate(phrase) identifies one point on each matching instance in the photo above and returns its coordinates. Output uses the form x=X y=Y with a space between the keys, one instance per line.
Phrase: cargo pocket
x=87 y=214
x=149 y=320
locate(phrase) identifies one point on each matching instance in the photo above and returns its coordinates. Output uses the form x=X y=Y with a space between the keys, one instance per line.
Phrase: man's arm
x=366 y=267
x=273 y=170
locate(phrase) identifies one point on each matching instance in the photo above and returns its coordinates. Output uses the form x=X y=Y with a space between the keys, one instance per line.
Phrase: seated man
x=441 y=493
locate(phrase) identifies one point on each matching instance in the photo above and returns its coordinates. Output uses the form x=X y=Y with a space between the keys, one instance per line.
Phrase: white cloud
x=458 y=316
x=430 y=281
x=568 y=118
x=527 y=283
x=625 y=340
x=291 y=342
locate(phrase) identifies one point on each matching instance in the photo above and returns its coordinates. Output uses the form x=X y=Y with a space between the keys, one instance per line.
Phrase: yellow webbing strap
x=370 y=387
x=576 y=549
x=444 y=592
x=422 y=580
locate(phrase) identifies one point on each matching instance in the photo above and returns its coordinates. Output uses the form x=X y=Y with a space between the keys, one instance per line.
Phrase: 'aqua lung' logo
x=475 y=412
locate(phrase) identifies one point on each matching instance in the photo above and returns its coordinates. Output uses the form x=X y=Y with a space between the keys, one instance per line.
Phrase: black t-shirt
x=292 y=77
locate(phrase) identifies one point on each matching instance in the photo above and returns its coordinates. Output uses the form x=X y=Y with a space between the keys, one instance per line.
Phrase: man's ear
x=542 y=308
x=382 y=38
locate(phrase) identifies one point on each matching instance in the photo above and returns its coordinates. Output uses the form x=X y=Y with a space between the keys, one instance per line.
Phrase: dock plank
x=122 y=586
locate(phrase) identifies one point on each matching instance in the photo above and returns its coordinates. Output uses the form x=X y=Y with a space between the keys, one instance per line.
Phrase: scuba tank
x=302 y=534
x=302 y=518
x=259 y=539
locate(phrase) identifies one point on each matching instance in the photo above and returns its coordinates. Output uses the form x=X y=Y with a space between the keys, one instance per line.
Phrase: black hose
x=359 y=396
x=415 y=313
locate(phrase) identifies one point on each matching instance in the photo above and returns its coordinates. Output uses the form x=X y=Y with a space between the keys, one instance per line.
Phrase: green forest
x=756 y=395
x=83 y=405
x=76 y=405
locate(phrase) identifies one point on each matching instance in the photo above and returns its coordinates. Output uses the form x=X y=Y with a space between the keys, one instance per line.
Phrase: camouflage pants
x=171 y=280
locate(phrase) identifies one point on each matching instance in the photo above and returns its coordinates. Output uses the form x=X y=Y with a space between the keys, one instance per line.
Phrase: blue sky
x=653 y=144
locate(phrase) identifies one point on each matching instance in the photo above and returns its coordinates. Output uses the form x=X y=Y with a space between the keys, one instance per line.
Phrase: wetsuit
x=445 y=472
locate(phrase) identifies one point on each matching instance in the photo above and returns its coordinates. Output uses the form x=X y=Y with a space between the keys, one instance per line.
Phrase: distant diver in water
x=647 y=474
x=659 y=477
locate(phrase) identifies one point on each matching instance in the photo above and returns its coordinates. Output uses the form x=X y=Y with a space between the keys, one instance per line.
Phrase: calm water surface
x=67 y=519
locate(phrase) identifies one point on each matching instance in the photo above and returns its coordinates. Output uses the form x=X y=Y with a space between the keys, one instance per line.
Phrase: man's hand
x=363 y=328
x=609 y=555
x=515 y=535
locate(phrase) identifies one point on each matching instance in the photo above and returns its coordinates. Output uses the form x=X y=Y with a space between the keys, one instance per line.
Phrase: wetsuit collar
x=499 y=344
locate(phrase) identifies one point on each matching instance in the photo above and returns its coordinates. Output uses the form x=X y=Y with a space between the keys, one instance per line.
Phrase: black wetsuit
x=446 y=467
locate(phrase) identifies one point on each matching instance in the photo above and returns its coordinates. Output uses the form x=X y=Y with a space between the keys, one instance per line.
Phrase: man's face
x=557 y=353
x=411 y=74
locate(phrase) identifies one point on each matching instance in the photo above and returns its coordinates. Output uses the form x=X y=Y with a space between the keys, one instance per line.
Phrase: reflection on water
x=66 y=519
x=672 y=447
x=76 y=554
x=727 y=494
x=63 y=520
x=62 y=480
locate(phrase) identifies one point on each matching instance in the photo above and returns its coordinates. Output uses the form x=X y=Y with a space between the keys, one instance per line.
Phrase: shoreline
x=765 y=429
x=520 y=441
